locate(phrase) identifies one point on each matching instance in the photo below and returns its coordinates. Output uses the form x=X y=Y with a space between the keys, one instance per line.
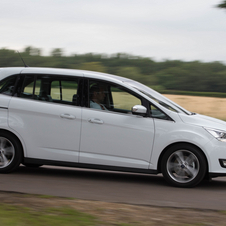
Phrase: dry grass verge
x=116 y=214
x=211 y=106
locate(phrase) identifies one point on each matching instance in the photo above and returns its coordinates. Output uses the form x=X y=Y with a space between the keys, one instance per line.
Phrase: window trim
x=15 y=84
x=20 y=87
x=168 y=117
x=146 y=103
x=87 y=94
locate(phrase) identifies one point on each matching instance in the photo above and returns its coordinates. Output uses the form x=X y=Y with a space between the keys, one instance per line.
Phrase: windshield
x=157 y=97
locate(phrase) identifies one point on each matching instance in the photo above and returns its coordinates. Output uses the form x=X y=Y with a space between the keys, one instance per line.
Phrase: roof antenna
x=25 y=65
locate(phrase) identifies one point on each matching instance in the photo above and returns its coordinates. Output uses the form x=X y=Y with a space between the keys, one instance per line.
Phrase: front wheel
x=183 y=165
x=10 y=152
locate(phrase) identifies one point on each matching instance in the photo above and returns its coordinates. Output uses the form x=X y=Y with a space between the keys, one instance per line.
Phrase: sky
x=159 y=29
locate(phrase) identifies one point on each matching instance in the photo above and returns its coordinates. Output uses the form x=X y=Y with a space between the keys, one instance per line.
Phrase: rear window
x=7 y=85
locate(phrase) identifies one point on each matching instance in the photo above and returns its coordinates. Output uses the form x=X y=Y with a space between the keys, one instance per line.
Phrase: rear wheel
x=10 y=152
x=183 y=165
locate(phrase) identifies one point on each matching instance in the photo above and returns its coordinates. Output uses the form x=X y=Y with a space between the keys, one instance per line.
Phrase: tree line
x=171 y=75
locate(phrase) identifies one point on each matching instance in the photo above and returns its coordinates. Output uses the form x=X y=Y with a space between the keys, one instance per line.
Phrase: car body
x=46 y=118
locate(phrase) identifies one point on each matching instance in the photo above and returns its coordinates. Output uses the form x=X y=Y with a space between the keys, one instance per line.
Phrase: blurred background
x=176 y=47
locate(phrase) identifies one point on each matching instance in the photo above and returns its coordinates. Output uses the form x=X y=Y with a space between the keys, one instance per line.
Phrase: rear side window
x=58 y=89
x=64 y=90
x=7 y=85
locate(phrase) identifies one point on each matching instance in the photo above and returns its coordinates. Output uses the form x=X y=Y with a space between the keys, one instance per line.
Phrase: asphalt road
x=114 y=187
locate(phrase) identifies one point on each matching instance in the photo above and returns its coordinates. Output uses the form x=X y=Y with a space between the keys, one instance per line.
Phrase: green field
x=23 y=216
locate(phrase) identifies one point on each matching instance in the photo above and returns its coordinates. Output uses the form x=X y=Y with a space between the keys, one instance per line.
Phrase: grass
x=38 y=210
x=20 y=216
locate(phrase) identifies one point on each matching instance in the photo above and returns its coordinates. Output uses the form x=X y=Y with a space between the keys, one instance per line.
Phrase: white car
x=54 y=117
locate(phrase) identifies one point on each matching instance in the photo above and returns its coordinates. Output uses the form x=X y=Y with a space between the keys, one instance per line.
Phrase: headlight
x=218 y=134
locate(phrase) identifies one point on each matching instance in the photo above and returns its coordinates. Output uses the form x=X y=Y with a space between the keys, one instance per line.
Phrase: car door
x=47 y=117
x=114 y=136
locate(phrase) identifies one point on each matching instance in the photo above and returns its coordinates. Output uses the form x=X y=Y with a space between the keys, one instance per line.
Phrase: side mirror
x=139 y=110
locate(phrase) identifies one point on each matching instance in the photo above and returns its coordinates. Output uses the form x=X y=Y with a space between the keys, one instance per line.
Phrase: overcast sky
x=160 y=29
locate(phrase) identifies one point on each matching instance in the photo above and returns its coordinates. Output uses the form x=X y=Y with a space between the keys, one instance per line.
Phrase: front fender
x=168 y=133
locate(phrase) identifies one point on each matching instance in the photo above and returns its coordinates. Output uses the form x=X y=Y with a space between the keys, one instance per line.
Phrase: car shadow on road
x=103 y=175
x=215 y=183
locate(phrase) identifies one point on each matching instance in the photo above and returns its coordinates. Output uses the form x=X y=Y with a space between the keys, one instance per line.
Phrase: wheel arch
x=16 y=137
x=181 y=143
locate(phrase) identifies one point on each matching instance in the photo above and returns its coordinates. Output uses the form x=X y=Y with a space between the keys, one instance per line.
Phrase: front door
x=111 y=134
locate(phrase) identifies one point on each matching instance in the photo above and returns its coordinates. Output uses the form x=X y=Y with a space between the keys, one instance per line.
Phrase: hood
x=204 y=121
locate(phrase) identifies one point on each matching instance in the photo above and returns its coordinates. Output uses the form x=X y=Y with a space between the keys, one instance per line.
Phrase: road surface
x=114 y=187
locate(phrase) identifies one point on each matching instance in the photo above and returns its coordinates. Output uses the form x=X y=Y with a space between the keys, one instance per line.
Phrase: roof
x=40 y=70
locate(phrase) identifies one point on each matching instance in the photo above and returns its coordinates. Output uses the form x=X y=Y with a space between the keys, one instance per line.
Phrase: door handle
x=67 y=116
x=95 y=120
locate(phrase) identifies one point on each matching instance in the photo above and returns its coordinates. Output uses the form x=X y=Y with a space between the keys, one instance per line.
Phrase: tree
x=129 y=72
x=29 y=50
x=56 y=52
x=92 y=66
x=222 y=5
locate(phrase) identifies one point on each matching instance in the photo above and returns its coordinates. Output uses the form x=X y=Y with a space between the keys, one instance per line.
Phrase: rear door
x=6 y=91
x=47 y=116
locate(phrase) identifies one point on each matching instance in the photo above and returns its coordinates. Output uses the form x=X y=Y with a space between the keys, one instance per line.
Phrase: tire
x=10 y=152
x=183 y=165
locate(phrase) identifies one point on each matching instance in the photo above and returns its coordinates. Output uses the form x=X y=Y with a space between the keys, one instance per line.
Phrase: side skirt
x=87 y=166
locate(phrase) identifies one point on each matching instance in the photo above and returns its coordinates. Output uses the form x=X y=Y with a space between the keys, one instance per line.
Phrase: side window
x=32 y=87
x=64 y=91
x=38 y=87
x=7 y=85
x=122 y=100
x=99 y=96
x=28 y=87
x=157 y=113
x=106 y=96
x=58 y=89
